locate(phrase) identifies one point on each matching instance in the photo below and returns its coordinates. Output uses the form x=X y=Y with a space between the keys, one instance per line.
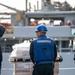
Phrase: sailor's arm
x=2 y=30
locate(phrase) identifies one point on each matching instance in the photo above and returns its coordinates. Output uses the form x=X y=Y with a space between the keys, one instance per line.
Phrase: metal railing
x=6 y=49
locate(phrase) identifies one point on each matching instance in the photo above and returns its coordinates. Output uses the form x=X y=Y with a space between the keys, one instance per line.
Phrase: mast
x=47 y=5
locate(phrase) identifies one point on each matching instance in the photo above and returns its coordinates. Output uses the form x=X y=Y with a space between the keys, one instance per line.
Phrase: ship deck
x=67 y=67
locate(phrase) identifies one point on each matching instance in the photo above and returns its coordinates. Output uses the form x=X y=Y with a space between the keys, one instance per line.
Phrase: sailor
x=2 y=30
x=43 y=52
x=74 y=58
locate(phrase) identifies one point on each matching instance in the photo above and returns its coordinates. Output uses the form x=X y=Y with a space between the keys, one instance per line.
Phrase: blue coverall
x=43 y=53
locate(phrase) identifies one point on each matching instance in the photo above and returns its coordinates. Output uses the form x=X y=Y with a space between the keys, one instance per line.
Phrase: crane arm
x=20 y=14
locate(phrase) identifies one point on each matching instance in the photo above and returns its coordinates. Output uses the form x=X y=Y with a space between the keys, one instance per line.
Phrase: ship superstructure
x=60 y=24
x=63 y=34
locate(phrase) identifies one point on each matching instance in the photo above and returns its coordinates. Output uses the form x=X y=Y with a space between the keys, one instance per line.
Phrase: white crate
x=26 y=68
x=23 y=68
x=56 y=68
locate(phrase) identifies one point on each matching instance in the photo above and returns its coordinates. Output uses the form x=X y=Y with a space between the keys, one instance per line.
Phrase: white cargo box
x=23 y=68
x=26 y=68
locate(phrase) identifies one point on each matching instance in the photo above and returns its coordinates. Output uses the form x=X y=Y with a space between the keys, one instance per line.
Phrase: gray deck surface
x=67 y=67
